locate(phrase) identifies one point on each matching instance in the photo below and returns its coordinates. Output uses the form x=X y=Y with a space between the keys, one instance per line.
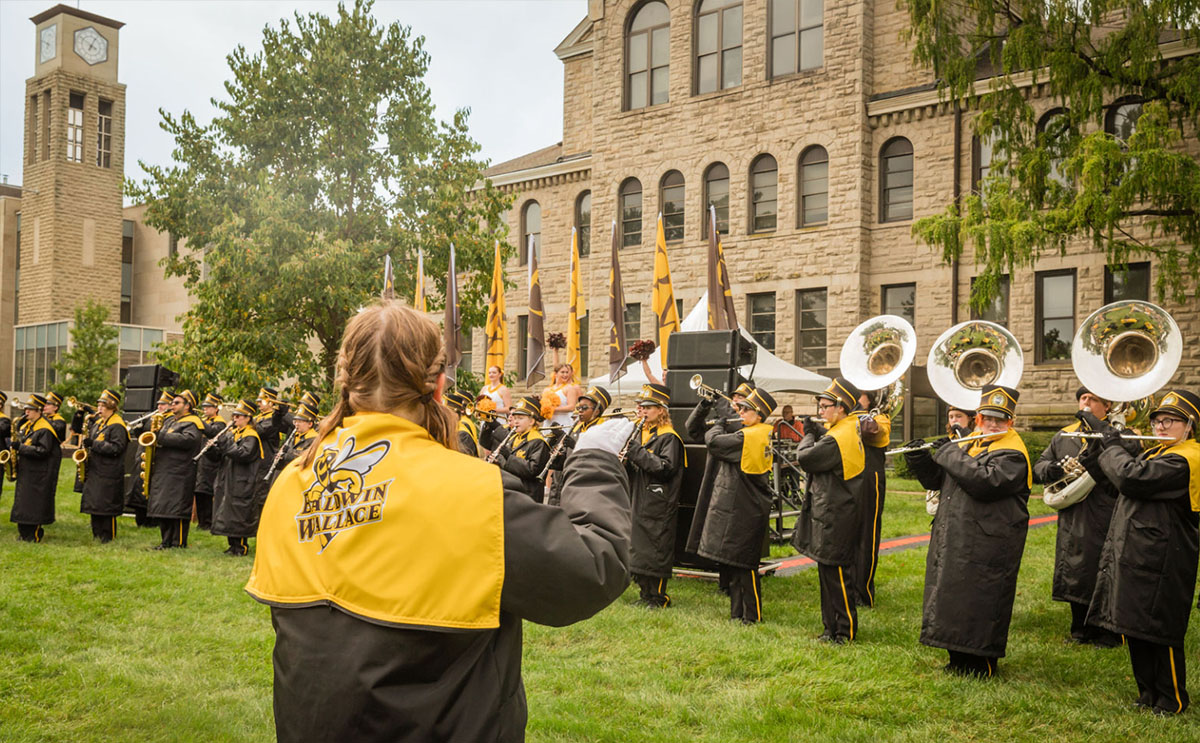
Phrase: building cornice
x=68 y=10
x=579 y=166
x=575 y=44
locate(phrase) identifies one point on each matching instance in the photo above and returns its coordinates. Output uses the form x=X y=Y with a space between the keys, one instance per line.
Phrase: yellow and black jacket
x=827 y=529
x=104 y=485
x=525 y=455
x=736 y=522
x=468 y=436
x=696 y=427
x=236 y=493
x=206 y=468
x=173 y=470
x=38 y=457
x=655 y=465
x=410 y=564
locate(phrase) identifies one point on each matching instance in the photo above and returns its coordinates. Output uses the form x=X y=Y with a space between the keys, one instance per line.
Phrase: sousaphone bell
x=876 y=355
x=970 y=355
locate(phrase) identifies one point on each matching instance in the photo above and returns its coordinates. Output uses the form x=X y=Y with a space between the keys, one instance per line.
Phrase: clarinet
x=637 y=431
x=558 y=449
x=208 y=444
x=491 y=458
x=279 y=454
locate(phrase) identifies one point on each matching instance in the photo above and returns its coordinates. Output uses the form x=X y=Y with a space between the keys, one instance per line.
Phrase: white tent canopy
x=770 y=372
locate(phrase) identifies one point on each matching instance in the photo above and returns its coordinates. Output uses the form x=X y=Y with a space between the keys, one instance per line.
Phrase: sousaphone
x=970 y=355
x=876 y=355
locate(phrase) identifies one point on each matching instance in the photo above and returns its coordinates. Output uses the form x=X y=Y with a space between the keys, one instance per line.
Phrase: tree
x=87 y=369
x=325 y=158
x=1064 y=178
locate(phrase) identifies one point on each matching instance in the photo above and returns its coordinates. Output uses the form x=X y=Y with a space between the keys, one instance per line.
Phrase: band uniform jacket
x=173 y=468
x=235 y=492
x=298 y=445
x=340 y=678
x=5 y=436
x=1081 y=527
x=740 y=507
x=37 y=461
x=655 y=478
x=104 y=472
x=468 y=436
x=696 y=429
x=526 y=455
x=1148 y=565
x=976 y=545
x=827 y=528
x=60 y=431
x=206 y=468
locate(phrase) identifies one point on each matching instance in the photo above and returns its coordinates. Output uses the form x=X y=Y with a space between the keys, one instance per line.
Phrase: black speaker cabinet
x=140 y=400
x=710 y=349
x=150 y=375
x=679 y=380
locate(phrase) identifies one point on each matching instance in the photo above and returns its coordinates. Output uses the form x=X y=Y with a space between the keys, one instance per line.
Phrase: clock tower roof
x=83 y=14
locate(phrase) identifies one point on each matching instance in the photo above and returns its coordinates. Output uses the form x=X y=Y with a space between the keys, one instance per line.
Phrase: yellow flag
x=663 y=298
x=576 y=311
x=497 y=323
x=419 y=292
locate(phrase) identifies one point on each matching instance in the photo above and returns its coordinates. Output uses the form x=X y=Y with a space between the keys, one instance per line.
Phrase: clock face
x=49 y=44
x=90 y=45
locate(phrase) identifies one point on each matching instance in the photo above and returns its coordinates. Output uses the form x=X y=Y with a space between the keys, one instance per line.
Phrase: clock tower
x=74 y=168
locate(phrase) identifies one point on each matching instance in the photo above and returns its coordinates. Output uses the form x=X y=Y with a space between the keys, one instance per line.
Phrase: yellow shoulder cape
x=666 y=430
x=880 y=440
x=1010 y=441
x=388 y=525
x=245 y=431
x=1189 y=449
x=757 y=456
x=854 y=459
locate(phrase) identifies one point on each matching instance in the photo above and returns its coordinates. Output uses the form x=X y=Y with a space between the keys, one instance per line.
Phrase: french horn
x=970 y=355
x=876 y=355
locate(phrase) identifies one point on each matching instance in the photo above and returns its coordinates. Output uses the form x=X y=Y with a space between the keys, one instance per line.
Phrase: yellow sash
x=245 y=431
x=669 y=430
x=388 y=525
x=41 y=424
x=880 y=440
x=193 y=419
x=757 y=457
x=854 y=459
x=468 y=425
x=520 y=440
x=1010 y=441
x=113 y=420
x=1189 y=449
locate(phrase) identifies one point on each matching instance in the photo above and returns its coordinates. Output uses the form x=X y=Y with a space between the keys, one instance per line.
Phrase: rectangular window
x=464 y=345
x=36 y=349
x=761 y=308
x=17 y=277
x=997 y=309
x=32 y=131
x=718 y=197
x=982 y=154
x=797 y=36
x=764 y=199
x=672 y=206
x=1131 y=283
x=522 y=345
x=631 y=219
x=126 y=271
x=104 y=134
x=583 y=223
x=75 y=129
x=719 y=49
x=633 y=322
x=584 y=338
x=46 y=125
x=811 y=312
x=901 y=300
x=1055 y=311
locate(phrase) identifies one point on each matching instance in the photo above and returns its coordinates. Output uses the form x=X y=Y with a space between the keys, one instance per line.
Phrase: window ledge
x=792 y=76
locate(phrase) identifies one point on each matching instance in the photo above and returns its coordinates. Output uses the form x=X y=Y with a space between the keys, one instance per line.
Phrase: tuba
x=876 y=355
x=970 y=355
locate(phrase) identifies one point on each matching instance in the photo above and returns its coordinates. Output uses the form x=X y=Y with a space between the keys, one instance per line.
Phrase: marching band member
x=242 y=458
x=135 y=497
x=1082 y=526
x=741 y=502
x=978 y=536
x=38 y=454
x=50 y=412
x=273 y=423
x=5 y=431
x=654 y=461
x=305 y=419
x=422 y=601
x=105 y=441
x=468 y=430
x=206 y=468
x=526 y=453
x=960 y=422
x=1148 y=564
x=876 y=432
x=590 y=407
x=173 y=472
x=827 y=529
x=496 y=391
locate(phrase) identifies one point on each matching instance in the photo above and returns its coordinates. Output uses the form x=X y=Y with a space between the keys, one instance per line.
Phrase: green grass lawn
x=119 y=643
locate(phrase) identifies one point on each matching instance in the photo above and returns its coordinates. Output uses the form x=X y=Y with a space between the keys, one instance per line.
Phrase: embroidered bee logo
x=340 y=497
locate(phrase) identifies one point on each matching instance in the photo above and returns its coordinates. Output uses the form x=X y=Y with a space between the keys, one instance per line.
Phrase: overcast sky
x=494 y=56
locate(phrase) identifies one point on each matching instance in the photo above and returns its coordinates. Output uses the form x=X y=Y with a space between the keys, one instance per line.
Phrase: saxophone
x=8 y=457
x=147 y=441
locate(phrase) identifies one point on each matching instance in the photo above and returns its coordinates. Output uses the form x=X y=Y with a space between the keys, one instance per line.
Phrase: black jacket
x=655 y=478
x=975 y=548
x=206 y=468
x=526 y=457
x=828 y=525
x=704 y=411
x=5 y=435
x=736 y=523
x=561 y=565
x=104 y=471
x=236 y=495
x=273 y=429
x=38 y=457
x=1148 y=564
x=173 y=468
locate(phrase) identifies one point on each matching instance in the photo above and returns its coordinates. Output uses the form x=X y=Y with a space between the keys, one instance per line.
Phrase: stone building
x=818 y=140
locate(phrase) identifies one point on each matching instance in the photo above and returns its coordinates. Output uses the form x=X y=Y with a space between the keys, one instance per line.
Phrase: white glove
x=609 y=436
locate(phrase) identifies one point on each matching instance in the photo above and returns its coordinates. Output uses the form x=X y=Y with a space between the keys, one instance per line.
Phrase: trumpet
x=618 y=413
x=929 y=444
x=715 y=421
x=490 y=415
x=80 y=457
x=705 y=391
x=75 y=403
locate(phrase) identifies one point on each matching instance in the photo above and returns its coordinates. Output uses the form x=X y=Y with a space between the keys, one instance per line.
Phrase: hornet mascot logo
x=339 y=498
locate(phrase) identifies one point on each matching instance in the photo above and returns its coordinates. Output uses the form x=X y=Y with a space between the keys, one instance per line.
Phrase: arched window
x=647 y=56
x=670 y=196
x=1054 y=130
x=716 y=194
x=631 y=213
x=718 y=38
x=583 y=222
x=531 y=226
x=1121 y=118
x=764 y=192
x=797 y=29
x=814 y=186
x=896 y=180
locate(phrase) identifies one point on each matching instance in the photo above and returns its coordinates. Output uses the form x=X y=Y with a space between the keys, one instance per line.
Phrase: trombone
x=705 y=391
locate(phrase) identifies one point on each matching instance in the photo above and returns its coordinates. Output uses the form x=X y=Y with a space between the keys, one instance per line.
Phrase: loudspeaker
x=710 y=349
x=141 y=400
x=150 y=375
x=693 y=475
x=679 y=380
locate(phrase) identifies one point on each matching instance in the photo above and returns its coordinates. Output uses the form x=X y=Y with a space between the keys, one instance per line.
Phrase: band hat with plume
x=307 y=413
x=654 y=394
x=760 y=401
x=53 y=398
x=108 y=397
x=457 y=401
x=598 y=395
x=166 y=398
x=1180 y=403
x=246 y=408
x=530 y=406
x=213 y=399
x=998 y=401
x=841 y=391
x=35 y=402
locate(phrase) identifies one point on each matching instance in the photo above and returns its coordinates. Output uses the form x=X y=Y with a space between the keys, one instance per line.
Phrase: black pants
x=30 y=532
x=866 y=558
x=140 y=518
x=1161 y=675
x=1081 y=631
x=204 y=510
x=968 y=664
x=653 y=590
x=238 y=546
x=837 y=602
x=104 y=528
x=745 y=595
x=174 y=532
x=723 y=579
